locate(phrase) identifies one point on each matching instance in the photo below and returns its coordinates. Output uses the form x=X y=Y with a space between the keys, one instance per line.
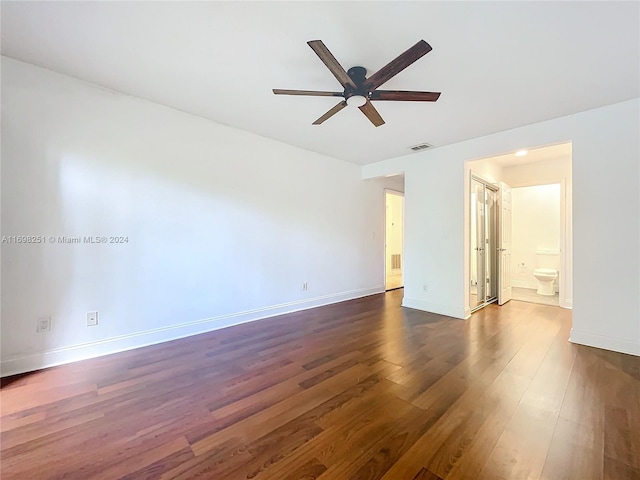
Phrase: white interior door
x=504 y=244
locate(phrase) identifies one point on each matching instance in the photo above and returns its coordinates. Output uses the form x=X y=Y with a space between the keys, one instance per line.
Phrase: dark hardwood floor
x=358 y=390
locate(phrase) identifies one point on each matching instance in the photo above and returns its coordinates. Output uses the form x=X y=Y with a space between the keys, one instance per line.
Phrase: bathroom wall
x=552 y=170
x=536 y=226
x=543 y=172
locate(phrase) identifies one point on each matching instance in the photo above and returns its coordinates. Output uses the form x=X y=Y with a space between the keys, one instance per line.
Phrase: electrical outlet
x=43 y=325
x=305 y=286
x=92 y=319
x=425 y=287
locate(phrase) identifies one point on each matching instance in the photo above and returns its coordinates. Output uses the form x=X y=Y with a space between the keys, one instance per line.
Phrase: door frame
x=384 y=254
x=566 y=245
x=501 y=249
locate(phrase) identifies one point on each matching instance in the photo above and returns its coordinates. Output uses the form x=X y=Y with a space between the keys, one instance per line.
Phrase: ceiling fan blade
x=404 y=96
x=311 y=93
x=396 y=66
x=372 y=114
x=330 y=113
x=332 y=64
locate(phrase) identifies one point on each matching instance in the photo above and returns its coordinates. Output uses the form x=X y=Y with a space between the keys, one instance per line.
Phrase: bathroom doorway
x=537 y=264
x=394 y=231
x=537 y=238
x=483 y=287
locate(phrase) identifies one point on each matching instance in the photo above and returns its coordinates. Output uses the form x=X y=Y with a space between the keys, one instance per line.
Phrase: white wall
x=542 y=172
x=487 y=169
x=536 y=226
x=606 y=220
x=394 y=183
x=223 y=226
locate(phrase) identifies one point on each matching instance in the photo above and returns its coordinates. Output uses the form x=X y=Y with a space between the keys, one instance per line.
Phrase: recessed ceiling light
x=521 y=153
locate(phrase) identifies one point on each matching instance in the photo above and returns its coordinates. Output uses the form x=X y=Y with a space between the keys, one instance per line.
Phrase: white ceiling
x=499 y=65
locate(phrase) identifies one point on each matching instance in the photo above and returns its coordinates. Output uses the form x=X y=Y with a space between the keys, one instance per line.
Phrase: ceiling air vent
x=422 y=146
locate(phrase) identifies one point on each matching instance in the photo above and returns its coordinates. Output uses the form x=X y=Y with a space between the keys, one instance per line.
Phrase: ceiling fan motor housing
x=358 y=75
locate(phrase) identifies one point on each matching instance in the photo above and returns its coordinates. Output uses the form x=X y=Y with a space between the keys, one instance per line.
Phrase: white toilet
x=546 y=271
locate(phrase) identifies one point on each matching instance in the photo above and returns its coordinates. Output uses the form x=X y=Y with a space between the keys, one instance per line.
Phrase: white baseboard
x=448 y=310
x=566 y=303
x=608 y=343
x=74 y=353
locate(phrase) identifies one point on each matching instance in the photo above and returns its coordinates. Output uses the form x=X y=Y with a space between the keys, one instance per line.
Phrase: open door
x=504 y=244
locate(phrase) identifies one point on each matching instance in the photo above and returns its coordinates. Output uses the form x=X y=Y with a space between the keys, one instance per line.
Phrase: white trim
x=448 y=310
x=562 y=280
x=467 y=313
x=608 y=343
x=74 y=353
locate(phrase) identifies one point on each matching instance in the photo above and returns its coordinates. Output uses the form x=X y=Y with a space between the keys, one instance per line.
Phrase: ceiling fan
x=360 y=90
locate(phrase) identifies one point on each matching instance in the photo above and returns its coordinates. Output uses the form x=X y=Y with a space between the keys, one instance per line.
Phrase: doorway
x=518 y=260
x=483 y=287
x=537 y=239
x=394 y=230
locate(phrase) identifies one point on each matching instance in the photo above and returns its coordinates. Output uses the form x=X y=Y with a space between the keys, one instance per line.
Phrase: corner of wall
x=441 y=309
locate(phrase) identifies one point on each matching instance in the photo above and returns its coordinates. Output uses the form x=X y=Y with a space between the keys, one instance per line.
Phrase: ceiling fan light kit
x=356 y=100
x=359 y=90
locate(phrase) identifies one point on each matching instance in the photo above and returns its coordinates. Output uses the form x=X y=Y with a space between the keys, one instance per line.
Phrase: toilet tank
x=548 y=259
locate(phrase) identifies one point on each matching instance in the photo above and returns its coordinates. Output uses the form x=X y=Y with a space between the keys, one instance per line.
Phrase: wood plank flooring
x=358 y=390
